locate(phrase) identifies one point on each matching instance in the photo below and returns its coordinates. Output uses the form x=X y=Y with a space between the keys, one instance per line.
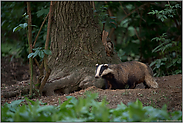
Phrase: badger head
x=102 y=70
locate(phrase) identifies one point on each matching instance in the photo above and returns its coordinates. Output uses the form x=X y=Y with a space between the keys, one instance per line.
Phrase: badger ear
x=106 y=65
x=96 y=65
x=107 y=71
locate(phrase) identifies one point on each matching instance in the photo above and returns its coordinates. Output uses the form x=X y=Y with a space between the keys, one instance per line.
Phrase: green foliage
x=85 y=110
x=104 y=17
x=16 y=20
x=8 y=49
x=39 y=52
x=169 y=11
x=171 y=61
x=139 y=22
x=135 y=23
x=20 y=26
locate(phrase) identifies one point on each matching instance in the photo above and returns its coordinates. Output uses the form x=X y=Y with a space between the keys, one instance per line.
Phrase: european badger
x=126 y=75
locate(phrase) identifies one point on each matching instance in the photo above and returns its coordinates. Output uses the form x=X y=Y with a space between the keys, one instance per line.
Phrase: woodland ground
x=169 y=91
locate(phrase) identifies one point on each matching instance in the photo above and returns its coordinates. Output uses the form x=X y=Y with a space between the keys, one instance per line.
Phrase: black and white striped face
x=102 y=70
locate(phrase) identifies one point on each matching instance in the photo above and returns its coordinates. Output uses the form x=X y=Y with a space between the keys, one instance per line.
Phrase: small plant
x=139 y=94
x=84 y=110
x=169 y=11
x=154 y=92
x=171 y=60
x=126 y=93
x=40 y=51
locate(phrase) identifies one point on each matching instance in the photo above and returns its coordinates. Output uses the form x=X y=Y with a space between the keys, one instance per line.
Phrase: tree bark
x=76 y=47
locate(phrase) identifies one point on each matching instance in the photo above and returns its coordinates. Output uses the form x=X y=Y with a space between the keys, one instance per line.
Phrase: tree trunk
x=76 y=47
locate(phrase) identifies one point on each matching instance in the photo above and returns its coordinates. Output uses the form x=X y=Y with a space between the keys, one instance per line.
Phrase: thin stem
x=30 y=48
x=40 y=30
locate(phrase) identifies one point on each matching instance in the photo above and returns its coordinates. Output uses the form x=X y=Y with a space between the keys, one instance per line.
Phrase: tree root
x=69 y=82
x=12 y=91
x=78 y=79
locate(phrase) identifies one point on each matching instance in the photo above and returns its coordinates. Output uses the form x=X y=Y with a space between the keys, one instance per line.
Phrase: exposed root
x=13 y=91
x=76 y=80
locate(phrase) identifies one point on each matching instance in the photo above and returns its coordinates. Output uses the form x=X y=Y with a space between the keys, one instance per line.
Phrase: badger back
x=102 y=70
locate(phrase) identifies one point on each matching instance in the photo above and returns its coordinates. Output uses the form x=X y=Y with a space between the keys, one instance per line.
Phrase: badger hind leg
x=150 y=82
x=131 y=84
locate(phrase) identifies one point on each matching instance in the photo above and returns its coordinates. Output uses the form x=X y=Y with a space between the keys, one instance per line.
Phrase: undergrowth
x=84 y=110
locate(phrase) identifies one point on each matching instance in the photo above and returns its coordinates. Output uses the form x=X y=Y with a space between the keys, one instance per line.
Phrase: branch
x=48 y=71
x=40 y=29
x=123 y=8
x=110 y=14
x=30 y=48
x=132 y=12
x=93 y=5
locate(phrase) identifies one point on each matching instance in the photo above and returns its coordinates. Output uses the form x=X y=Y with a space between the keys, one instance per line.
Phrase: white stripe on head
x=98 y=70
x=107 y=71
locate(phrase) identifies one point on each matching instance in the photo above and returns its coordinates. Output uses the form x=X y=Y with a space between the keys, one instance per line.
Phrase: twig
x=137 y=34
x=30 y=48
x=110 y=14
x=48 y=71
x=93 y=5
x=123 y=8
x=133 y=26
x=131 y=12
x=37 y=63
x=40 y=30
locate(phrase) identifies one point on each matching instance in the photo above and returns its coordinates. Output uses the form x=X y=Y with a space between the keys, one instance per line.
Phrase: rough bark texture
x=76 y=47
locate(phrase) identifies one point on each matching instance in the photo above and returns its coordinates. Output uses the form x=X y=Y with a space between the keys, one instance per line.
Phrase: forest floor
x=169 y=91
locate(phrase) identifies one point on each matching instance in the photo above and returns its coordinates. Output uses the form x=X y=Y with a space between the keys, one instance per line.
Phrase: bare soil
x=14 y=74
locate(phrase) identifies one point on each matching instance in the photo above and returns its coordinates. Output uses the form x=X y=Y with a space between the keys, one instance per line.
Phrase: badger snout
x=96 y=76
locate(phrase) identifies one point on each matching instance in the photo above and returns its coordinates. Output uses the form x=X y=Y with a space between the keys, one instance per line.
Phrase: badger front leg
x=107 y=84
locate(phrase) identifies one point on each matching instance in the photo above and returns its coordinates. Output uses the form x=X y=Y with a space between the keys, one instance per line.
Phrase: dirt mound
x=169 y=91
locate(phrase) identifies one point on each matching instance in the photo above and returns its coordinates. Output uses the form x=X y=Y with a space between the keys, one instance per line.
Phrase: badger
x=126 y=75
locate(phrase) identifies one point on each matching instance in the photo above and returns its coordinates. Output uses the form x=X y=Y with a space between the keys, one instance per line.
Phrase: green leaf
x=73 y=99
x=152 y=63
x=41 y=54
x=63 y=105
x=20 y=26
x=42 y=12
x=47 y=108
x=166 y=46
x=17 y=28
x=27 y=17
x=158 y=48
x=112 y=17
x=28 y=100
x=179 y=60
x=23 y=25
x=48 y=52
x=138 y=103
x=112 y=21
x=34 y=25
x=176 y=115
x=15 y=103
x=38 y=48
x=36 y=53
x=30 y=55
x=112 y=25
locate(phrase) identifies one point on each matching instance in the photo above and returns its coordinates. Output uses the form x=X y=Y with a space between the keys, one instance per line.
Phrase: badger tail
x=150 y=81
